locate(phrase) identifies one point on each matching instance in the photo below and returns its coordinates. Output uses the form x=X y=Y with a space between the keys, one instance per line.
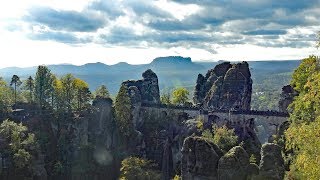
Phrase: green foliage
x=83 y=94
x=43 y=86
x=176 y=177
x=306 y=107
x=15 y=80
x=304 y=140
x=165 y=98
x=302 y=136
x=253 y=159
x=134 y=168
x=6 y=97
x=180 y=96
x=123 y=112
x=307 y=68
x=21 y=158
x=225 y=138
x=102 y=92
x=19 y=143
x=68 y=87
x=28 y=85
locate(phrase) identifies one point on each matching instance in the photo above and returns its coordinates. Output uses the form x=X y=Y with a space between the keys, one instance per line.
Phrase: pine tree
x=123 y=112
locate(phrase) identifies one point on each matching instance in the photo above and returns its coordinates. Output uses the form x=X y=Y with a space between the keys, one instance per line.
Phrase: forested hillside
x=268 y=76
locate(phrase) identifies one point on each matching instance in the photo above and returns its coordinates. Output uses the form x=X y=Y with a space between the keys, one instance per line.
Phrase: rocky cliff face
x=199 y=159
x=147 y=88
x=286 y=97
x=204 y=160
x=272 y=163
x=227 y=86
x=233 y=165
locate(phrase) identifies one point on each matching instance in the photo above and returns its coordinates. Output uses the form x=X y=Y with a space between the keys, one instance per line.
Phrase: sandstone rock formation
x=286 y=97
x=227 y=86
x=272 y=163
x=199 y=159
x=147 y=88
x=234 y=165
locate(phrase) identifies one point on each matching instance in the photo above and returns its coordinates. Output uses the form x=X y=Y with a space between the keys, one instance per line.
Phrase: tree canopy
x=16 y=82
x=180 y=96
x=19 y=145
x=302 y=135
x=123 y=112
x=134 y=168
x=6 y=99
x=102 y=92
x=29 y=86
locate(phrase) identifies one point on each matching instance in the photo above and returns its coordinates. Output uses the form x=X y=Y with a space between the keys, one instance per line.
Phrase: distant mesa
x=121 y=64
x=172 y=59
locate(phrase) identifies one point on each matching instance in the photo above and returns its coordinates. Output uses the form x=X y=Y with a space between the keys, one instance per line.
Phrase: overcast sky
x=34 y=32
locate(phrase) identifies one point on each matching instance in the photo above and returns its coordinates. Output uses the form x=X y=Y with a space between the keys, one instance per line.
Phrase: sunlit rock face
x=227 y=86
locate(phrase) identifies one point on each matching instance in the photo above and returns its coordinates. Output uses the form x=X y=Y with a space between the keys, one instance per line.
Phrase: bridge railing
x=191 y=107
x=196 y=108
x=253 y=112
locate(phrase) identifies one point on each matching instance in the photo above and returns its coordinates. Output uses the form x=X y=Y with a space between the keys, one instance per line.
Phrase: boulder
x=271 y=163
x=199 y=159
x=234 y=165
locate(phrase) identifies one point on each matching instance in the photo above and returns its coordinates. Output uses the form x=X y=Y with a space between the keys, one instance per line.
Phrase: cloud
x=145 y=24
x=63 y=37
x=65 y=20
x=266 y=32
x=146 y=8
x=111 y=8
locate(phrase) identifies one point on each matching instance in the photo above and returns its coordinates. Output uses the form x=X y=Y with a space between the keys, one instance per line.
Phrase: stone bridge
x=265 y=123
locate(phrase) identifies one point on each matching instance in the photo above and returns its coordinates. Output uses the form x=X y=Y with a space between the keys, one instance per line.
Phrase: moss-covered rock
x=272 y=163
x=199 y=159
x=234 y=164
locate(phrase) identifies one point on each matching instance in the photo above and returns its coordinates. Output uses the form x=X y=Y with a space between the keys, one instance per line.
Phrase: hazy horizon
x=195 y=61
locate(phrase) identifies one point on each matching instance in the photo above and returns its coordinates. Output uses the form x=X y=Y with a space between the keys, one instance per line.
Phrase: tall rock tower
x=226 y=87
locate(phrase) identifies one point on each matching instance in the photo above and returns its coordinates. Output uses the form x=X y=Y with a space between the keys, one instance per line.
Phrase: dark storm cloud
x=65 y=20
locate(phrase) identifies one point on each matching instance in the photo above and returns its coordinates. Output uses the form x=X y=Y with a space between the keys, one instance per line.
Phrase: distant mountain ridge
x=172 y=71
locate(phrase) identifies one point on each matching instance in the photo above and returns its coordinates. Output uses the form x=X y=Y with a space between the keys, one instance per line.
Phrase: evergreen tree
x=15 y=80
x=68 y=89
x=29 y=86
x=102 y=92
x=43 y=86
x=123 y=112
x=6 y=99
x=83 y=94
